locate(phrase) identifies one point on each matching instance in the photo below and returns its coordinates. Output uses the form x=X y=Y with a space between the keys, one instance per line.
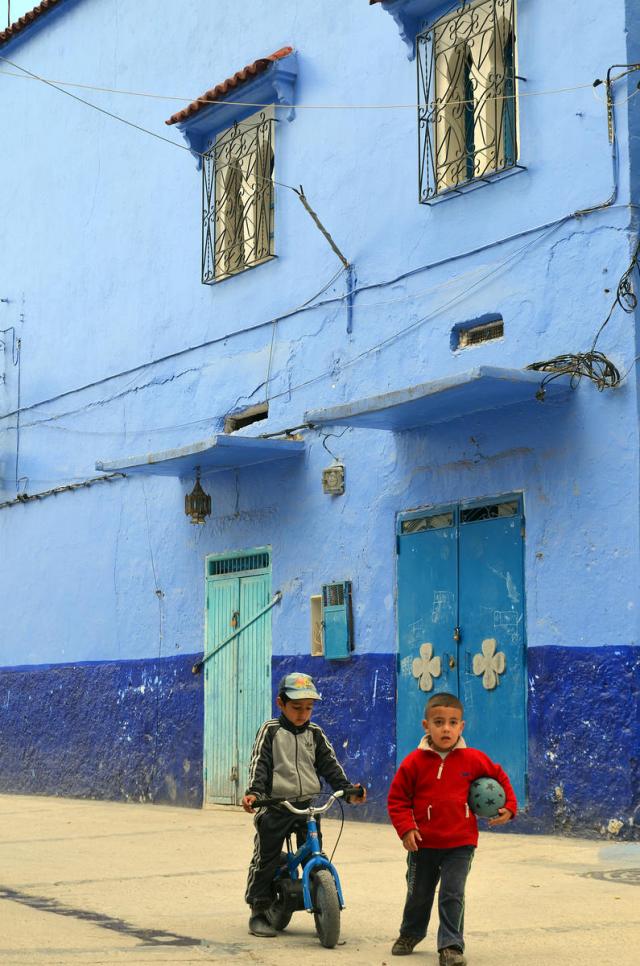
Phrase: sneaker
x=259 y=925
x=404 y=945
x=452 y=956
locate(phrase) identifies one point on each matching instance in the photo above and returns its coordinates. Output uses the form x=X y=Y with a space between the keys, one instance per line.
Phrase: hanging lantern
x=197 y=504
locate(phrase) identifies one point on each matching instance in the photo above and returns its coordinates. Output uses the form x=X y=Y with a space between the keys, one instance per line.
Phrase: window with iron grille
x=467 y=97
x=237 y=196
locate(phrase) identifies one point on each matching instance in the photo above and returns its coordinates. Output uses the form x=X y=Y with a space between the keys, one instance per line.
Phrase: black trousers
x=425 y=868
x=272 y=825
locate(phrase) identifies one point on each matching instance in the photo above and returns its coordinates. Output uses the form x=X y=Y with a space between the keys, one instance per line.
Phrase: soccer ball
x=486 y=796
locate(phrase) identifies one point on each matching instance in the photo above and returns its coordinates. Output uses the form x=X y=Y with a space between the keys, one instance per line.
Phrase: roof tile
x=22 y=22
x=231 y=83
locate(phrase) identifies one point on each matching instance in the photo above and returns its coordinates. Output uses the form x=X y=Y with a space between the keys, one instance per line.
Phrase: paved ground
x=91 y=882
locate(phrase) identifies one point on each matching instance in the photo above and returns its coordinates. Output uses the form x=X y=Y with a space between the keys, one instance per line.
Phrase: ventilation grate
x=253 y=414
x=434 y=522
x=333 y=595
x=477 y=334
x=490 y=511
x=236 y=565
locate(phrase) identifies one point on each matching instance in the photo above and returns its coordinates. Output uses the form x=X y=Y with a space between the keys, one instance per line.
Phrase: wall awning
x=441 y=400
x=211 y=455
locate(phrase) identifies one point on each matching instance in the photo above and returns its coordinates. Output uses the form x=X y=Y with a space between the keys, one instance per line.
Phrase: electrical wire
x=625 y=298
x=304 y=307
x=51 y=420
x=547 y=230
x=139 y=127
x=591 y=365
x=326 y=436
x=594 y=365
x=334 y=370
x=205 y=101
x=67 y=487
x=339 y=801
x=300 y=194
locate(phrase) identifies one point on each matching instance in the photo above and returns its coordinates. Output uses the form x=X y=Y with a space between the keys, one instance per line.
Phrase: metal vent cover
x=490 y=511
x=333 y=595
x=236 y=565
x=432 y=521
x=477 y=334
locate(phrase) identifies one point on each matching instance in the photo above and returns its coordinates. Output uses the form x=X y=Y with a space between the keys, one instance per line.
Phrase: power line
x=50 y=420
x=309 y=304
x=258 y=105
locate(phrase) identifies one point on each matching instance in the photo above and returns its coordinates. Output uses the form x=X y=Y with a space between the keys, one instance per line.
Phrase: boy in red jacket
x=428 y=807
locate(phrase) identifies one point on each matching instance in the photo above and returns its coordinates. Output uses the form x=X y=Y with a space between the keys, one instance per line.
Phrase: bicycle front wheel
x=326 y=908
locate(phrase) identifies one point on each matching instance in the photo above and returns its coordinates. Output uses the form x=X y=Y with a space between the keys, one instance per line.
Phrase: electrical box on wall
x=337 y=621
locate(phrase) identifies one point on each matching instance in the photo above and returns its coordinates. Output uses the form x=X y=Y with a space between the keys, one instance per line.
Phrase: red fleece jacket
x=430 y=793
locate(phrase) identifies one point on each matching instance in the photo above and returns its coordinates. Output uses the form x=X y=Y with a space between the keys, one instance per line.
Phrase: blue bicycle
x=307 y=879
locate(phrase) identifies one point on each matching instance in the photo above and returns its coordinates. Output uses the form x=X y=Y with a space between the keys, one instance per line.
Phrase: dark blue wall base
x=133 y=731
x=584 y=742
x=357 y=712
x=130 y=730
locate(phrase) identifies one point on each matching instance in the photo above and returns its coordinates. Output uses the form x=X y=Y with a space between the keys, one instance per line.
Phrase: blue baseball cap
x=298 y=686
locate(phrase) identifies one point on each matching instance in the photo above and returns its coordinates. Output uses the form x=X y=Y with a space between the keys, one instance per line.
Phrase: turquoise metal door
x=461 y=625
x=492 y=672
x=427 y=546
x=238 y=675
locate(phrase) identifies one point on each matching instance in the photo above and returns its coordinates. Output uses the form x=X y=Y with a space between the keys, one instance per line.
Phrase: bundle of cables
x=593 y=365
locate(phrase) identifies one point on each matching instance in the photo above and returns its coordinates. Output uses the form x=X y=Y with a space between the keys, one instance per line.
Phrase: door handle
x=457 y=635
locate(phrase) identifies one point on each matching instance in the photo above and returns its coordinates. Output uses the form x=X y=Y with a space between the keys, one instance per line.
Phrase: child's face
x=444 y=726
x=297 y=712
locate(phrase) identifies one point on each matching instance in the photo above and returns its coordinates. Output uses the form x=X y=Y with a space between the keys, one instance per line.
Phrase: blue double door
x=461 y=625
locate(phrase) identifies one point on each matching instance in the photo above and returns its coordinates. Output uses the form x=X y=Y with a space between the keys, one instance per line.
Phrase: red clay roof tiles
x=231 y=83
x=26 y=21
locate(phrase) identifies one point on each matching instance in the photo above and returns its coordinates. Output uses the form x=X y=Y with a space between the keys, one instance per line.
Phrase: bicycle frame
x=309 y=853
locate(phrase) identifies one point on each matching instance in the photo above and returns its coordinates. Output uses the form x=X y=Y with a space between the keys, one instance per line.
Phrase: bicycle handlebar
x=355 y=791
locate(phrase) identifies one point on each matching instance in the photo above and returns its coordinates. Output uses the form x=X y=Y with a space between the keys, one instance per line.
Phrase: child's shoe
x=404 y=945
x=452 y=956
x=259 y=925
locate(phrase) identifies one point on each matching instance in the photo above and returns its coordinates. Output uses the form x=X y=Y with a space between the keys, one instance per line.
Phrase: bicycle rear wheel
x=326 y=908
x=281 y=909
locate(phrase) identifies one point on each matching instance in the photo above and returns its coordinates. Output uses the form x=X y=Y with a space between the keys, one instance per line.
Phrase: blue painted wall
x=100 y=241
x=130 y=730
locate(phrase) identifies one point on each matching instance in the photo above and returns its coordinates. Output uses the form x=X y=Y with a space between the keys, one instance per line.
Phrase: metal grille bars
x=237 y=197
x=466 y=96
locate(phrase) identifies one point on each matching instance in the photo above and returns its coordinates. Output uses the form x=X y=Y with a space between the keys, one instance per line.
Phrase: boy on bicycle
x=429 y=810
x=290 y=755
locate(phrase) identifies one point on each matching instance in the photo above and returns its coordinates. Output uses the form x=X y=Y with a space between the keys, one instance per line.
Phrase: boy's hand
x=358 y=799
x=410 y=840
x=504 y=815
x=247 y=803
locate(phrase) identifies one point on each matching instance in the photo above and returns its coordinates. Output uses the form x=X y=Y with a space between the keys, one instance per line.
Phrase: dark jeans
x=425 y=868
x=272 y=826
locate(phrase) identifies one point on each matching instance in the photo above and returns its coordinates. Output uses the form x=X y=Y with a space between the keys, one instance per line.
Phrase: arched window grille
x=238 y=199
x=467 y=96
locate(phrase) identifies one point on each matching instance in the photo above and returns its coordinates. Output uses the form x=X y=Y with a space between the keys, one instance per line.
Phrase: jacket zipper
x=440 y=769
x=466 y=809
x=297 y=769
x=429 y=813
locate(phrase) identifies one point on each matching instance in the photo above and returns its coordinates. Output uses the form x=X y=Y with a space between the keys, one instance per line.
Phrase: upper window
x=237 y=196
x=467 y=96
